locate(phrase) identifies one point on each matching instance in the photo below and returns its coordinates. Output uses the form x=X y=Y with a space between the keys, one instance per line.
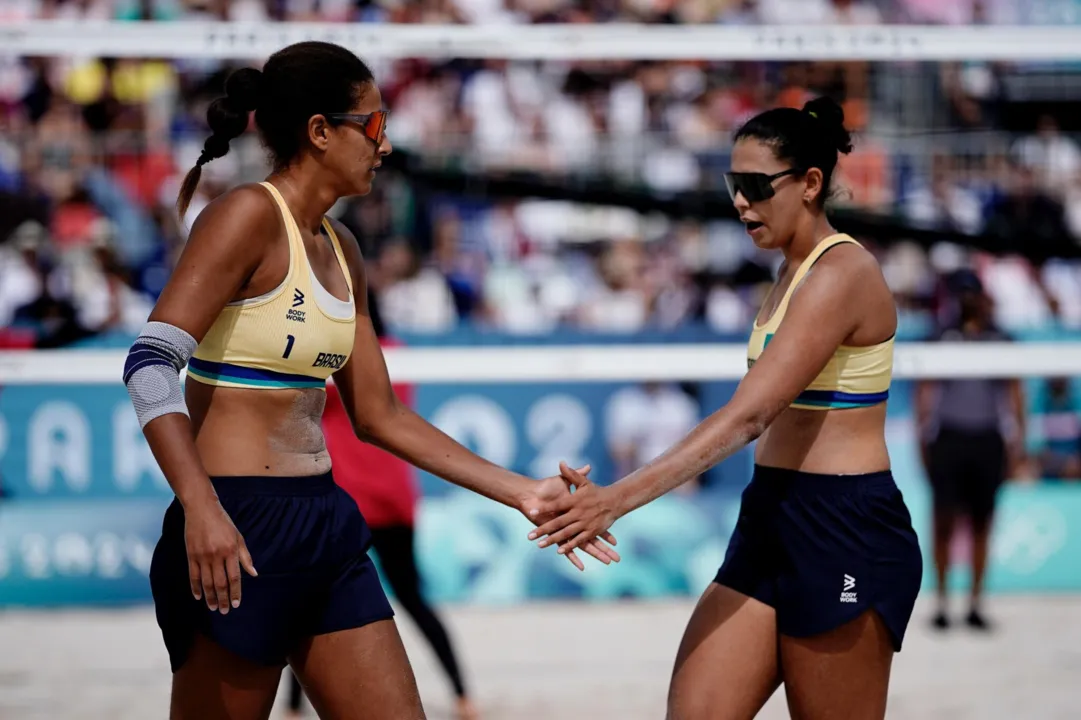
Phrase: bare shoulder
x=854 y=274
x=849 y=271
x=853 y=261
x=227 y=243
x=847 y=284
x=244 y=214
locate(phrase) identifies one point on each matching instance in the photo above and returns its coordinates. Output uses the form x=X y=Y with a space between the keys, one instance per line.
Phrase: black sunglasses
x=755 y=187
x=373 y=125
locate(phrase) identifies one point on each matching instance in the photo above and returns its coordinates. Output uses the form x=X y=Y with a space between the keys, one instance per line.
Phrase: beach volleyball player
x=823 y=567
x=266 y=302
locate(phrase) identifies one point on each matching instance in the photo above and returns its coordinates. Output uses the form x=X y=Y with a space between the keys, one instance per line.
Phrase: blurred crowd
x=92 y=151
x=773 y=12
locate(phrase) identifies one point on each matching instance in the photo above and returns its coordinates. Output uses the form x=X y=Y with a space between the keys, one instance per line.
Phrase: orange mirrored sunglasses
x=374 y=125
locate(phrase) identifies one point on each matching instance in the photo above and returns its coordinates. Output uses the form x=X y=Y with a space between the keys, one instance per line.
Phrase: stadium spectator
x=415 y=297
x=620 y=302
x=22 y=279
x=972 y=434
x=942 y=202
x=642 y=421
x=1054 y=158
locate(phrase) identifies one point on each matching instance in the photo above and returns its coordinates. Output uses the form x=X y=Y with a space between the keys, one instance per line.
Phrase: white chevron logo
x=850 y=582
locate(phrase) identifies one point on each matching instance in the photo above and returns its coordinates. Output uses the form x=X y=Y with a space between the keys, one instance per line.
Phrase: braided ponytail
x=228 y=118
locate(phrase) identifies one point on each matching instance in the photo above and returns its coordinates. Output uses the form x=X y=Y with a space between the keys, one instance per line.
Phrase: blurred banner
x=83 y=441
x=86 y=500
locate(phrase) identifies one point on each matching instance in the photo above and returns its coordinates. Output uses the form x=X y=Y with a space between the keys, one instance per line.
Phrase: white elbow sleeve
x=152 y=370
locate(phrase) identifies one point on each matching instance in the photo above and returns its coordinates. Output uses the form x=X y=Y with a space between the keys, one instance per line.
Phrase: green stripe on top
x=769 y=336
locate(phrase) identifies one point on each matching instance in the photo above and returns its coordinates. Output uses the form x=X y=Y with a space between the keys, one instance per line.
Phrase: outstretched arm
x=378 y=417
x=796 y=354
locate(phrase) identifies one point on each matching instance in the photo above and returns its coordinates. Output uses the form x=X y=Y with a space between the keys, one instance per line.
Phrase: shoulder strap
x=277 y=197
x=297 y=254
x=338 y=252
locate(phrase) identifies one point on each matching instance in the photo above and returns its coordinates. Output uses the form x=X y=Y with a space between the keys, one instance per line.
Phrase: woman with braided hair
x=267 y=301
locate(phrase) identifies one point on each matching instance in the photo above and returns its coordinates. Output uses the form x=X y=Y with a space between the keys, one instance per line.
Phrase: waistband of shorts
x=784 y=479
x=301 y=486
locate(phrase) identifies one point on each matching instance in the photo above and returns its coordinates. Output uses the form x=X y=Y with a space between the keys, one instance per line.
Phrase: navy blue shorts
x=823 y=549
x=309 y=544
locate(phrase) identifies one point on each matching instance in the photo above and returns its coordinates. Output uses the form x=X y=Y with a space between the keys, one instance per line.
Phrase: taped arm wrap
x=152 y=370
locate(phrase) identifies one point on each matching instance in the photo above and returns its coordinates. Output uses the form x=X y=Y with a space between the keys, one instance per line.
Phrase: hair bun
x=832 y=116
x=243 y=89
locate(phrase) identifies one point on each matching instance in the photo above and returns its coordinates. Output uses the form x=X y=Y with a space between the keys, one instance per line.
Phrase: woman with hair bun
x=823 y=568
x=266 y=303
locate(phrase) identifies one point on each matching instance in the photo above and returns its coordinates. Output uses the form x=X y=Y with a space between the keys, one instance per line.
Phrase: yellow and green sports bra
x=294 y=336
x=854 y=377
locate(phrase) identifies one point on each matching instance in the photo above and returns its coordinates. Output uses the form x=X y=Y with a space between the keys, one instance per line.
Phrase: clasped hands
x=573 y=520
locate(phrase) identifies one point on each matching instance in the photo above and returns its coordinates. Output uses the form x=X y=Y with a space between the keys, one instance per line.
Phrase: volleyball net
x=553 y=241
x=918 y=176
x=667 y=362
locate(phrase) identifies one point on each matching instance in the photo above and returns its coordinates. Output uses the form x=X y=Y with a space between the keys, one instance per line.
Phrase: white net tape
x=551 y=42
x=593 y=363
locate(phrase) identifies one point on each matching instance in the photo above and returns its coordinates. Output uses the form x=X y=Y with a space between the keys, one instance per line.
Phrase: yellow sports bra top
x=294 y=336
x=854 y=377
